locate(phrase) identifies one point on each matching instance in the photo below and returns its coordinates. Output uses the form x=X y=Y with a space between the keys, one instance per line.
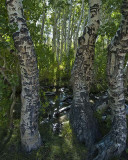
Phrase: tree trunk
x=114 y=143
x=58 y=40
x=69 y=28
x=78 y=25
x=72 y=28
x=84 y=20
x=62 y=36
x=43 y=20
x=81 y=116
x=30 y=137
x=65 y=34
x=54 y=32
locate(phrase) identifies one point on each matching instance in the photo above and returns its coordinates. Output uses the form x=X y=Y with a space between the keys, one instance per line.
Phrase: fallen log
x=64 y=109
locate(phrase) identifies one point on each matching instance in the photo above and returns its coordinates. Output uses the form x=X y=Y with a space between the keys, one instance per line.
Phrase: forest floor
x=59 y=143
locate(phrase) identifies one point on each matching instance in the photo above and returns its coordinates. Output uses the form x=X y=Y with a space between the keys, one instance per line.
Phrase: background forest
x=54 y=26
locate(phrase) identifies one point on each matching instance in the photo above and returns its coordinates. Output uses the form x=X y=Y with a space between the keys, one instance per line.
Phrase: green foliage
x=67 y=64
x=3 y=18
x=54 y=147
x=64 y=146
x=9 y=69
x=104 y=125
x=111 y=17
x=100 y=66
x=46 y=62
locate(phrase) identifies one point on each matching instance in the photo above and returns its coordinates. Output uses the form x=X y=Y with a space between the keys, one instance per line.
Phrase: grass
x=55 y=147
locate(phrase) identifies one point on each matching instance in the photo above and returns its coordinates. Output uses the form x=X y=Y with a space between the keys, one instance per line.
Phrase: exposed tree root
x=84 y=124
x=112 y=145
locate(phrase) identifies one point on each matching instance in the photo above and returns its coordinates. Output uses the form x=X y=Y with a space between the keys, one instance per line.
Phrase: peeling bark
x=30 y=137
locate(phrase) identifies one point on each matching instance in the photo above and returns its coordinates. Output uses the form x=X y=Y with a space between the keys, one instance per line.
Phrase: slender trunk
x=81 y=116
x=13 y=97
x=54 y=32
x=67 y=68
x=78 y=25
x=84 y=24
x=58 y=51
x=58 y=40
x=65 y=33
x=71 y=35
x=84 y=20
x=43 y=21
x=30 y=137
x=69 y=28
x=75 y=21
x=62 y=37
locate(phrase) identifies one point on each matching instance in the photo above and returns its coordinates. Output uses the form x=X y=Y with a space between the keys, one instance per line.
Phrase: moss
x=55 y=147
x=106 y=122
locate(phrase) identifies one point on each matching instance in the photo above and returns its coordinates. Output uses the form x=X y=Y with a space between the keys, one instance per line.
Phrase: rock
x=63 y=119
x=56 y=127
x=104 y=117
x=69 y=98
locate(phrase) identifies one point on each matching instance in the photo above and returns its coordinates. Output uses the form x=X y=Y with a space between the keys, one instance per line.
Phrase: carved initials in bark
x=30 y=136
x=82 y=74
x=114 y=143
x=82 y=120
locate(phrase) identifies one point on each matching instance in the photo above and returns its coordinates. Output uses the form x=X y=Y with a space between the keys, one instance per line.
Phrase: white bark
x=69 y=28
x=30 y=137
x=113 y=144
x=54 y=32
x=43 y=19
x=62 y=36
x=65 y=36
x=82 y=120
x=58 y=40
x=78 y=25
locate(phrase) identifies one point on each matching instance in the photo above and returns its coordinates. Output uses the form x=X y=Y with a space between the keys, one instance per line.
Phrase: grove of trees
x=47 y=47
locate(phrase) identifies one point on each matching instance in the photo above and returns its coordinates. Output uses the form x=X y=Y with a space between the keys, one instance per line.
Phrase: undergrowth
x=55 y=147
